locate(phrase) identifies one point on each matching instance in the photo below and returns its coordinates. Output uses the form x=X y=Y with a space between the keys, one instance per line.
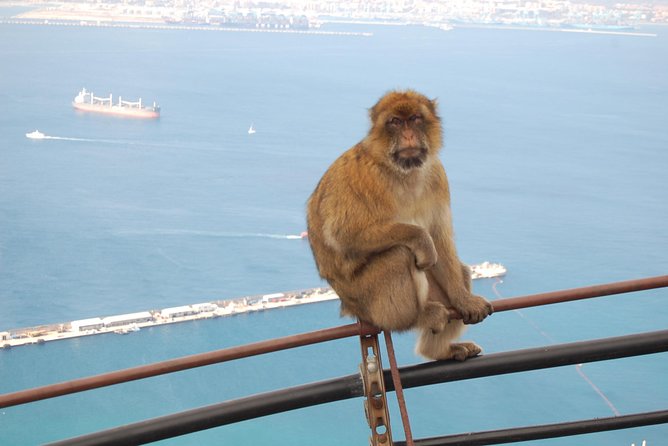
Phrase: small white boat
x=127 y=329
x=251 y=130
x=35 y=135
x=487 y=270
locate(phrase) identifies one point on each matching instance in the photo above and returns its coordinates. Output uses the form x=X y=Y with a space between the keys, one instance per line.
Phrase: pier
x=128 y=323
x=163 y=27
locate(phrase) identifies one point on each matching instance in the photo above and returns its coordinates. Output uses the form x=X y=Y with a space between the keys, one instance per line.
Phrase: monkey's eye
x=395 y=121
x=416 y=119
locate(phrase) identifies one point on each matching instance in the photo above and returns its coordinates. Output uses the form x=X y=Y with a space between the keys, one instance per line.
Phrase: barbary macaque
x=380 y=228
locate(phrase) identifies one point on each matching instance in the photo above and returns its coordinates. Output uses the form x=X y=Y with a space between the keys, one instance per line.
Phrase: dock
x=128 y=323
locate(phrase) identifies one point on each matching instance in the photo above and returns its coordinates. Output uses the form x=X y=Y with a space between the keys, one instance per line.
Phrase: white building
x=205 y=307
x=276 y=297
x=127 y=319
x=94 y=323
x=185 y=310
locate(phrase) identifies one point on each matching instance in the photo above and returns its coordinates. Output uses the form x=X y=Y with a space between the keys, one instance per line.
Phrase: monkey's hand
x=425 y=252
x=473 y=309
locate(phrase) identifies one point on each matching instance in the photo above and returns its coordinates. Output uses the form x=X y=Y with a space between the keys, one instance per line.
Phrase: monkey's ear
x=372 y=114
x=433 y=105
x=374 y=111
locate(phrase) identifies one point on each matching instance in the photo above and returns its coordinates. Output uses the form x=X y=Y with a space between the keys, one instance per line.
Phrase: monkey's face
x=406 y=128
x=409 y=146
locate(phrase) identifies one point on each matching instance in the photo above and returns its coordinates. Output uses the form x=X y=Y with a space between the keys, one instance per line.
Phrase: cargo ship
x=86 y=101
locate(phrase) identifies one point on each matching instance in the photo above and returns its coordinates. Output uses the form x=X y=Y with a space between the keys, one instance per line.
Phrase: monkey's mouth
x=410 y=157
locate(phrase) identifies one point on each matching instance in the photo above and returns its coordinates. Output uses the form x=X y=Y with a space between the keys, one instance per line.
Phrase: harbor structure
x=126 y=323
x=83 y=325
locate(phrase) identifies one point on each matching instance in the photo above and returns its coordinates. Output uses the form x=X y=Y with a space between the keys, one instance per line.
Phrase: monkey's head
x=405 y=130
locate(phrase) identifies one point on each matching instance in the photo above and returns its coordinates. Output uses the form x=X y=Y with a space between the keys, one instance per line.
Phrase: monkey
x=380 y=229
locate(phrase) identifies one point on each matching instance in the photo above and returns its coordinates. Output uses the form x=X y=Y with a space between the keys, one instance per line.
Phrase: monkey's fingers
x=477 y=310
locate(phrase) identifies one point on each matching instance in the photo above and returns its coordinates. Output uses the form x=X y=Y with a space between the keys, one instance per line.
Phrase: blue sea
x=557 y=154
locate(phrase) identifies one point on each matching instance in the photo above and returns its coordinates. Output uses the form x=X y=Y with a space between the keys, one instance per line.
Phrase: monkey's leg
x=434 y=313
x=454 y=279
x=474 y=301
x=386 y=292
x=440 y=346
x=434 y=344
x=466 y=273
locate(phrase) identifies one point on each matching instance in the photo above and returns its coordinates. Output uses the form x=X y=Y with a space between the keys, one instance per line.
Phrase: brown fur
x=380 y=229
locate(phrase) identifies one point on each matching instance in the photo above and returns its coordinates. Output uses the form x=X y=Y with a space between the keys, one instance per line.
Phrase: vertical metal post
x=375 y=405
x=398 y=388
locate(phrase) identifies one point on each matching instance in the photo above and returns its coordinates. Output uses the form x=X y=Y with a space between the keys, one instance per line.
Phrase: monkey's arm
x=376 y=238
x=358 y=219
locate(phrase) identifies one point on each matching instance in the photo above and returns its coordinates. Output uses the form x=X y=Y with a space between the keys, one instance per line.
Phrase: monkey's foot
x=462 y=350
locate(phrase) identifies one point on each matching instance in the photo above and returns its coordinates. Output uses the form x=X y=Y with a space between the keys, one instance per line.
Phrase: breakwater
x=131 y=322
x=128 y=323
x=163 y=27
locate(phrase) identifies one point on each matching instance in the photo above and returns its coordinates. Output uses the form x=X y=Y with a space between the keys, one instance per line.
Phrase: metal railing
x=353 y=386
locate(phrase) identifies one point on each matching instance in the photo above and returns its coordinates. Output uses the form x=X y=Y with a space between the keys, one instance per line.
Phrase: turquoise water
x=556 y=153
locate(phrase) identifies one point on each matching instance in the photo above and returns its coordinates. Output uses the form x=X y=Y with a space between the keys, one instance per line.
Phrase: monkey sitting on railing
x=380 y=227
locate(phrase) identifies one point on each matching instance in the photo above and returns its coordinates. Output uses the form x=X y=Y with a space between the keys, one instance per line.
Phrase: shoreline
x=592 y=30
x=161 y=26
x=128 y=323
x=166 y=27
x=112 y=19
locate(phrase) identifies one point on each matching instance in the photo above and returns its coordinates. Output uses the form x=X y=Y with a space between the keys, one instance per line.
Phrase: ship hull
x=142 y=113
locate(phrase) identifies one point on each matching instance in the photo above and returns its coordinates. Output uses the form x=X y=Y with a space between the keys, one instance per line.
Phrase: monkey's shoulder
x=355 y=165
x=356 y=156
x=352 y=187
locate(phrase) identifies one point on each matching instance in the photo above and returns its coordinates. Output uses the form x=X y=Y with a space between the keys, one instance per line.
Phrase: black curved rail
x=414 y=376
x=544 y=431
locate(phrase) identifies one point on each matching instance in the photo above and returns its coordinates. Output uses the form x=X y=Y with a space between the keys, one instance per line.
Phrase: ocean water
x=556 y=152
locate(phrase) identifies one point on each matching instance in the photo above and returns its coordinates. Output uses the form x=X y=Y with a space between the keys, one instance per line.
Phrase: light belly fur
x=421 y=286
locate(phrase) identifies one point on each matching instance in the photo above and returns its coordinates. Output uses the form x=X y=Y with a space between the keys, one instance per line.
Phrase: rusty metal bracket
x=375 y=406
x=398 y=388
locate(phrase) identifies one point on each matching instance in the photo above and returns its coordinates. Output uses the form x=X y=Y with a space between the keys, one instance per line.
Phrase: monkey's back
x=350 y=196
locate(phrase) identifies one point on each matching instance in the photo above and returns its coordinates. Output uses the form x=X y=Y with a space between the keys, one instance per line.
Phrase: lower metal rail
x=260 y=405
x=544 y=431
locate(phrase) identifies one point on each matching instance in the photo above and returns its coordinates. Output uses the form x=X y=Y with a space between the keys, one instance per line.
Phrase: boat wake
x=62 y=138
x=39 y=135
x=217 y=234
x=278 y=236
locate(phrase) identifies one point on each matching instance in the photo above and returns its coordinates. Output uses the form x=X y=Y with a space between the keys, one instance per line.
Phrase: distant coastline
x=585 y=30
x=163 y=26
x=82 y=17
x=192 y=27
